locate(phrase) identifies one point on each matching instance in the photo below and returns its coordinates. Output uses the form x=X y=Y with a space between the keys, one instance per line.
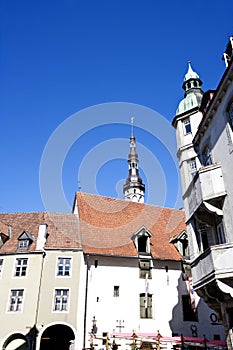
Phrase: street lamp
x=94 y=328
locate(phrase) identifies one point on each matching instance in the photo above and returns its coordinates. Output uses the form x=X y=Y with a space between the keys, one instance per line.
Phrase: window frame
x=55 y=303
x=17 y=305
x=63 y=270
x=220 y=233
x=23 y=244
x=20 y=270
x=192 y=169
x=145 y=304
x=187 y=126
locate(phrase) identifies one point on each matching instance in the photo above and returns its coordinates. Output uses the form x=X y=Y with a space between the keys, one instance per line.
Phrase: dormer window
x=142 y=244
x=181 y=244
x=23 y=244
x=142 y=241
x=24 y=240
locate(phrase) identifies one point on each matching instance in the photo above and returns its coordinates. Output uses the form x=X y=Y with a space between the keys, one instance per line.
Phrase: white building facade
x=206 y=165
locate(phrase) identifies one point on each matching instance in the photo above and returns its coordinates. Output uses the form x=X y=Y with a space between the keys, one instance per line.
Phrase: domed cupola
x=193 y=92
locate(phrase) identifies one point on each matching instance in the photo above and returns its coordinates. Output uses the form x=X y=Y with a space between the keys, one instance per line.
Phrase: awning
x=212 y=209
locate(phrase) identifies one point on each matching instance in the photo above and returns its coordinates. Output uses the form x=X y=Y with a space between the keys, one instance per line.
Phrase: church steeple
x=134 y=189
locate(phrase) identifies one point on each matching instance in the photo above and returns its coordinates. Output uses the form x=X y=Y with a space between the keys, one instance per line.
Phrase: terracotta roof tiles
x=103 y=226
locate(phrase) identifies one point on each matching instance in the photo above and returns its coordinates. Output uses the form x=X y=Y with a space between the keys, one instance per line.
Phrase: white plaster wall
x=166 y=287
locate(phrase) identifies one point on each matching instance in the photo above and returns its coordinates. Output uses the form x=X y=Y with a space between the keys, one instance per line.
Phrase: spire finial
x=132 y=126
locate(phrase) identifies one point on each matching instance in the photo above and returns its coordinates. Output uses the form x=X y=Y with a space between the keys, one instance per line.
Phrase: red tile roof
x=105 y=226
x=62 y=229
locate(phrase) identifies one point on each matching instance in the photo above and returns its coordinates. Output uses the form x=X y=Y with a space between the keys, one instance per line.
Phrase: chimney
x=42 y=235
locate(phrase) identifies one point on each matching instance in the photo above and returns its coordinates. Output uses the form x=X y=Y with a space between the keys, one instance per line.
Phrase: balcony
x=214 y=263
x=207 y=184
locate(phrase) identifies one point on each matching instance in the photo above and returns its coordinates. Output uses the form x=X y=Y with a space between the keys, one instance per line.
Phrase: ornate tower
x=186 y=122
x=134 y=189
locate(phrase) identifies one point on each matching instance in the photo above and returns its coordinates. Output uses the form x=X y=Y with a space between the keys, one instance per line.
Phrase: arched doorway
x=57 y=337
x=16 y=342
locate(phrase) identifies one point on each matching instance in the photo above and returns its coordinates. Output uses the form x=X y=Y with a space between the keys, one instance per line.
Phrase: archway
x=57 y=337
x=16 y=342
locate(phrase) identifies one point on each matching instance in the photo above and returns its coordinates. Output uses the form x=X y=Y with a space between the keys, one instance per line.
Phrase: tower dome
x=193 y=92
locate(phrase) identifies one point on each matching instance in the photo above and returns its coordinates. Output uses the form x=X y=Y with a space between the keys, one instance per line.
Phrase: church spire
x=134 y=189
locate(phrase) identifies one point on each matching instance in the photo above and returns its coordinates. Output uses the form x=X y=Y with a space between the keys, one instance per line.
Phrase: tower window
x=192 y=167
x=187 y=126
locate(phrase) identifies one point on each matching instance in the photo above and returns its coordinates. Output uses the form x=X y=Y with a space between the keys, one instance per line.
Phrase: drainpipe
x=85 y=306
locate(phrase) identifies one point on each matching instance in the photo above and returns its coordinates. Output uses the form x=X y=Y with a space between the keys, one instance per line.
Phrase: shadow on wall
x=194 y=323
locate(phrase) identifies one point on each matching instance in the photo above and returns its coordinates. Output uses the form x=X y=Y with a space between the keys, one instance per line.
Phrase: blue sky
x=59 y=58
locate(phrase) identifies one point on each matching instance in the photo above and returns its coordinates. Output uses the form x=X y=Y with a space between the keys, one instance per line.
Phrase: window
x=145 y=305
x=186 y=271
x=143 y=244
x=230 y=115
x=116 y=291
x=16 y=299
x=24 y=240
x=188 y=313
x=21 y=267
x=187 y=126
x=220 y=234
x=206 y=156
x=63 y=266
x=23 y=244
x=203 y=237
x=1 y=265
x=192 y=165
x=145 y=268
x=61 y=300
